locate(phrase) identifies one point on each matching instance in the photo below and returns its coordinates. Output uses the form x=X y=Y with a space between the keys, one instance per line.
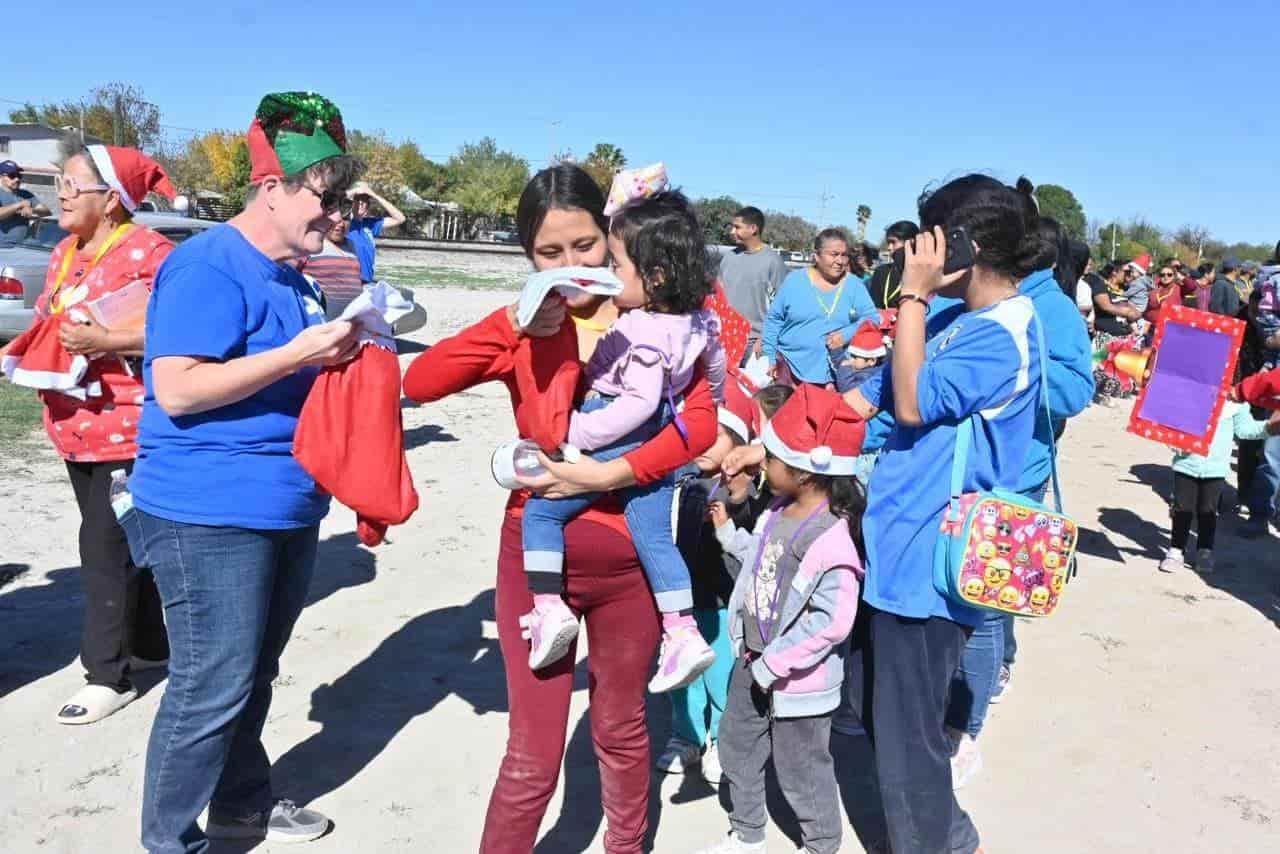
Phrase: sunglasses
x=331 y=200
x=1165 y=274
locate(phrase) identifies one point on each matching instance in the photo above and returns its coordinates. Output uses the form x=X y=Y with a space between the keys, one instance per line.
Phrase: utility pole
x=117 y=121
x=555 y=124
x=82 y=122
x=1113 y=241
x=822 y=205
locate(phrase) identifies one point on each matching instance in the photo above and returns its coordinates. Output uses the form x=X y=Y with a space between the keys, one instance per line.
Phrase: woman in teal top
x=815 y=311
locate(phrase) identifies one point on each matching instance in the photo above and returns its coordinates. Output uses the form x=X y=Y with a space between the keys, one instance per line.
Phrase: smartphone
x=959 y=253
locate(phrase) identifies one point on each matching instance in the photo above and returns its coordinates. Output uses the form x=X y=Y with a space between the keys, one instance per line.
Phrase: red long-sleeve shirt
x=1261 y=389
x=491 y=350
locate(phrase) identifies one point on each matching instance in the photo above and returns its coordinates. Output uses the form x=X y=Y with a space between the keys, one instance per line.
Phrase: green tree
x=428 y=179
x=715 y=216
x=117 y=113
x=604 y=161
x=487 y=181
x=1061 y=204
x=788 y=232
x=241 y=171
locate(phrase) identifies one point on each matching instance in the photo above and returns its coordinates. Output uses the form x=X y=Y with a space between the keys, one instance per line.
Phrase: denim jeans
x=648 y=513
x=1266 y=481
x=975 y=680
x=231 y=597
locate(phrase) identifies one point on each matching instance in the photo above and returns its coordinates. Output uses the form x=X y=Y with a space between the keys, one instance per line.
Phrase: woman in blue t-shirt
x=982 y=361
x=815 y=312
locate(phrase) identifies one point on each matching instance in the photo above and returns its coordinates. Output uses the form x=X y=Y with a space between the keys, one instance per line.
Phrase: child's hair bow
x=632 y=184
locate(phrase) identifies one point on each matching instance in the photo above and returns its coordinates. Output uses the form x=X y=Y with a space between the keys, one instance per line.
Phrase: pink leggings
x=606 y=585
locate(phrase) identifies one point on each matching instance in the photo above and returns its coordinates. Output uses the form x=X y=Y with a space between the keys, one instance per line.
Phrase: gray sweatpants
x=801 y=756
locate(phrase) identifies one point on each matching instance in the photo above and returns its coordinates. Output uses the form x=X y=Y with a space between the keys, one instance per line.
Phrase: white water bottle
x=516 y=457
x=119 y=495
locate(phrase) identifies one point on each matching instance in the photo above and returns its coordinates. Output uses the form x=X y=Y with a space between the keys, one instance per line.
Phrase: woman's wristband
x=913 y=298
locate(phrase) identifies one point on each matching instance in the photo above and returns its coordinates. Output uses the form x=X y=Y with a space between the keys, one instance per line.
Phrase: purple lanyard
x=767 y=632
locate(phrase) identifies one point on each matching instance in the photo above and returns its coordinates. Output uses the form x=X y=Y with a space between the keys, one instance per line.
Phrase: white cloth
x=568 y=281
x=375 y=312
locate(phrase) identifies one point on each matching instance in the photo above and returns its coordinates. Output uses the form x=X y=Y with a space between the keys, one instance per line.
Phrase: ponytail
x=846 y=500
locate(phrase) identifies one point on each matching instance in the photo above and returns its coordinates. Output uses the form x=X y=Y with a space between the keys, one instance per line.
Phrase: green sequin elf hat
x=292 y=131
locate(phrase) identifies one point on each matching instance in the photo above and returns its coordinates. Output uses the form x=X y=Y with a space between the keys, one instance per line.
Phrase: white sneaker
x=92 y=703
x=966 y=760
x=678 y=756
x=1204 y=561
x=1002 y=683
x=1174 y=560
x=731 y=844
x=551 y=630
x=711 y=770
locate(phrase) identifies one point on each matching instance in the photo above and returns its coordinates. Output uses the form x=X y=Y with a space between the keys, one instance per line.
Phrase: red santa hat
x=36 y=359
x=131 y=173
x=739 y=413
x=815 y=430
x=1142 y=263
x=868 y=341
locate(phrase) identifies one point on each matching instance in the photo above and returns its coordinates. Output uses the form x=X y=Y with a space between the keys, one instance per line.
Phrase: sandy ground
x=1143 y=717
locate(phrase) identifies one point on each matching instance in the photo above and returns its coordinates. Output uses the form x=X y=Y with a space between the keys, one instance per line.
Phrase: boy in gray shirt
x=751 y=273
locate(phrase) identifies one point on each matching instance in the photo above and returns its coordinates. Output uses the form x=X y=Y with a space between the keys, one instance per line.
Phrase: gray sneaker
x=1204 y=561
x=287 y=823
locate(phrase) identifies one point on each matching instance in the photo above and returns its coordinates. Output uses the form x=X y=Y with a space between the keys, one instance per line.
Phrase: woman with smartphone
x=977 y=243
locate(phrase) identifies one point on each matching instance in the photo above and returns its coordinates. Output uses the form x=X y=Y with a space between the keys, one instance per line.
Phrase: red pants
x=606 y=585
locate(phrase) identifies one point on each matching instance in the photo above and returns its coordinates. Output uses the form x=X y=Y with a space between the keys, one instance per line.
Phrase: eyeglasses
x=1165 y=274
x=331 y=200
x=71 y=188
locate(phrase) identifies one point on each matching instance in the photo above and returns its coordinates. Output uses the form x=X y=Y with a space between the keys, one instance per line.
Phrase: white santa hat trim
x=68 y=382
x=732 y=422
x=868 y=354
x=820 y=460
x=102 y=160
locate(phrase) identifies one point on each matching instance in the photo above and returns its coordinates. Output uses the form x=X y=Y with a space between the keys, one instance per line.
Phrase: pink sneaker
x=551 y=629
x=683 y=657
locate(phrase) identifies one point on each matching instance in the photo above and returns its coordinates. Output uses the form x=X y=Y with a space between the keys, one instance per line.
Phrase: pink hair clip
x=631 y=184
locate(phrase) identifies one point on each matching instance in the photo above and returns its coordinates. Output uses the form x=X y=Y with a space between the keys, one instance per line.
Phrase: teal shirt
x=1235 y=422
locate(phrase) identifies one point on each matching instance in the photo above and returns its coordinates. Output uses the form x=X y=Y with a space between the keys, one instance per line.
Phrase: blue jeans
x=975 y=680
x=231 y=597
x=697 y=707
x=648 y=513
x=1266 y=481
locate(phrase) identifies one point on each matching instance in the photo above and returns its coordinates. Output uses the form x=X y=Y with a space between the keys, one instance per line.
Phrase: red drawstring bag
x=350 y=438
x=734 y=328
x=37 y=359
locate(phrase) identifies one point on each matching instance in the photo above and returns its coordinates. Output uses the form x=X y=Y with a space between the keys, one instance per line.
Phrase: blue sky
x=1163 y=109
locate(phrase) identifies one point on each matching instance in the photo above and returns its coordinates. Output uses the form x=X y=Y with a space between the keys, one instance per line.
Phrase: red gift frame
x=1193 y=364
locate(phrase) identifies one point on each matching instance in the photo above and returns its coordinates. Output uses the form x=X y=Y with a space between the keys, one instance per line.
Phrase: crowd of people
x=791 y=432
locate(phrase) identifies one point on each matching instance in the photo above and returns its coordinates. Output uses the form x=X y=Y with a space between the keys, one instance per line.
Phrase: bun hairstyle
x=563 y=186
x=664 y=240
x=1002 y=220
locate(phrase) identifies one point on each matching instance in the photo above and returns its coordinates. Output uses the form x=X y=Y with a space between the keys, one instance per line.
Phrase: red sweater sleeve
x=1262 y=389
x=478 y=354
x=667 y=451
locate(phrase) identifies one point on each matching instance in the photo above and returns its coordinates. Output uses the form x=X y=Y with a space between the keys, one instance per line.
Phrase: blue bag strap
x=1048 y=412
x=964 y=436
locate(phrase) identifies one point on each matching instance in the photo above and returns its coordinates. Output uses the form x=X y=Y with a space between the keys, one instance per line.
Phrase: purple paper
x=1187 y=379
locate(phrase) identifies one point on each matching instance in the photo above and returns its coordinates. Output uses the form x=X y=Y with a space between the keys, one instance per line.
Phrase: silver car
x=24 y=263
x=23 y=266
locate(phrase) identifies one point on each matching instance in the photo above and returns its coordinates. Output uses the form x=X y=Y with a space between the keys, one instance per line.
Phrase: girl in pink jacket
x=791 y=611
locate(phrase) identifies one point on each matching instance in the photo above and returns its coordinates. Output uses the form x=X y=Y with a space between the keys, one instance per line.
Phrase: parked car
x=23 y=264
